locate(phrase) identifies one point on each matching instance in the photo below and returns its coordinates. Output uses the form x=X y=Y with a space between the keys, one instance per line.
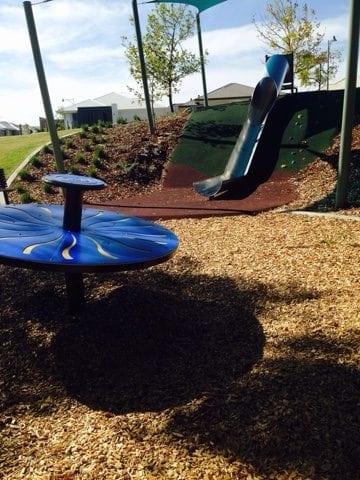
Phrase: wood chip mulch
x=238 y=359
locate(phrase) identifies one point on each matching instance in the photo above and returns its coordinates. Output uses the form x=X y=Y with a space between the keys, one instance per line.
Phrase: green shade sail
x=201 y=5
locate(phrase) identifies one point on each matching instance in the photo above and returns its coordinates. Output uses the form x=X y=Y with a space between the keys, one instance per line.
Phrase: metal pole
x=328 y=65
x=328 y=60
x=202 y=59
x=348 y=106
x=43 y=87
x=143 y=67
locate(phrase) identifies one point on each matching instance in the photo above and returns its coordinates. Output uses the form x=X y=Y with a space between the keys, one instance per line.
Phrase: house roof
x=122 y=103
x=8 y=126
x=340 y=84
x=85 y=103
x=232 y=90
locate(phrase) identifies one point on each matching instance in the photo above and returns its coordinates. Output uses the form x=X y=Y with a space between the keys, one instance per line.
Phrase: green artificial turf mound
x=298 y=129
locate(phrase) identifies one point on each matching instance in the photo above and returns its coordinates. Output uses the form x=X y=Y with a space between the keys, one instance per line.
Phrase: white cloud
x=338 y=26
x=83 y=56
x=232 y=41
x=79 y=57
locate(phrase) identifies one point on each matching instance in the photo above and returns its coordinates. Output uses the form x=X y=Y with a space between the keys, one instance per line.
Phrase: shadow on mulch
x=158 y=341
x=153 y=342
x=293 y=413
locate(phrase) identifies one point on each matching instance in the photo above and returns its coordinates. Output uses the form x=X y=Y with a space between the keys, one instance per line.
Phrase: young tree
x=167 y=62
x=288 y=27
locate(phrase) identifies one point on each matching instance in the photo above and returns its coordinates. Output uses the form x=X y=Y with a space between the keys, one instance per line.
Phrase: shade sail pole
x=43 y=87
x=348 y=107
x=143 y=67
x=202 y=59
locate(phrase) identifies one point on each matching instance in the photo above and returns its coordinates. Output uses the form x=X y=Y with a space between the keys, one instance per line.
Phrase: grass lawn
x=14 y=149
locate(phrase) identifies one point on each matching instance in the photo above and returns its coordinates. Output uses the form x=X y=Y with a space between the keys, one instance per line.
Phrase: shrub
x=96 y=161
x=95 y=129
x=19 y=188
x=87 y=146
x=46 y=149
x=99 y=151
x=92 y=172
x=69 y=142
x=105 y=124
x=82 y=134
x=121 y=121
x=74 y=169
x=80 y=157
x=25 y=175
x=25 y=197
x=36 y=162
x=137 y=118
x=46 y=187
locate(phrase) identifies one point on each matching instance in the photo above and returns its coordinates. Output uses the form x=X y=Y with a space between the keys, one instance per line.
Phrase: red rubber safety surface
x=177 y=199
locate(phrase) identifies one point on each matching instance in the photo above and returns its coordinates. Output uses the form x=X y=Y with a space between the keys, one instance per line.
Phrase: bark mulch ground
x=238 y=359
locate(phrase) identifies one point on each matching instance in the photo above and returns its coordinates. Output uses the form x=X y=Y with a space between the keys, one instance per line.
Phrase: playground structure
x=263 y=99
x=74 y=240
x=298 y=128
x=68 y=238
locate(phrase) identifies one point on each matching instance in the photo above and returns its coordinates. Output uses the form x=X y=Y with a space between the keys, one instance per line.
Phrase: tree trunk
x=170 y=101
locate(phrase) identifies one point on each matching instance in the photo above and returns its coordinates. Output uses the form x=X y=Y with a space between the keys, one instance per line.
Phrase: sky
x=83 y=56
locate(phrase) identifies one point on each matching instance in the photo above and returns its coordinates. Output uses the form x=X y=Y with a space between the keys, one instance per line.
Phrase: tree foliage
x=288 y=27
x=167 y=61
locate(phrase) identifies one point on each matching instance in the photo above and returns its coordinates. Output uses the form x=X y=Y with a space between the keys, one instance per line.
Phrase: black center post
x=74 y=187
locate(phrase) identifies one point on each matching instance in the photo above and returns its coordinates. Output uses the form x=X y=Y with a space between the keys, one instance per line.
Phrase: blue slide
x=263 y=99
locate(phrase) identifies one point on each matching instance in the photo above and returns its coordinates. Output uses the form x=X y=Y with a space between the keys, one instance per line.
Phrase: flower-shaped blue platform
x=33 y=236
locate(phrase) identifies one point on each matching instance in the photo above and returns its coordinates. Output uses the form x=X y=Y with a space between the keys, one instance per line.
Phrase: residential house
x=8 y=128
x=109 y=108
x=232 y=92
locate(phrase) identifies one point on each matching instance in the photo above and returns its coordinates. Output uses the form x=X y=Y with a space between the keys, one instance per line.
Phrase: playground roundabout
x=236 y=359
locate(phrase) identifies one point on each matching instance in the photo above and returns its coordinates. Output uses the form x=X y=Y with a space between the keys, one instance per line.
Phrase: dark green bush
x=80 y=157
x=87 y=146
x=99 y=151
x=25 y=197
x=74 y=169
x=46 y=187
x=96 y=161
x=69 y=142
x=46 y=149
x=36 y=162
x=19 y=188
x=92 y=172
x=25 y=175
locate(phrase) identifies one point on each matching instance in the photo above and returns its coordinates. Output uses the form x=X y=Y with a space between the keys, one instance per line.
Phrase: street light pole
x=328 y=60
